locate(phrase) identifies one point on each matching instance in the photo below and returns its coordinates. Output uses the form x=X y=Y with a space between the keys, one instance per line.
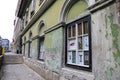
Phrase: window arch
x=24 y=39
x=40 y=33
x=77 y=34
x=40 y=26
x=67 y=6
x=30 y=35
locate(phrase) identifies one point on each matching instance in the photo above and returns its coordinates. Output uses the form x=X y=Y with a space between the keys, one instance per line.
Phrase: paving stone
x=19 y=72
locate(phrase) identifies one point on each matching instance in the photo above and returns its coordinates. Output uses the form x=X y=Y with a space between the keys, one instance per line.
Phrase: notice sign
x=85 y=43
x=72 y=44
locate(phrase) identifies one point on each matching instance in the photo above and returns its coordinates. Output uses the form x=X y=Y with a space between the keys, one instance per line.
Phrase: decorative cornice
x=98 y=5
x=35 y=37
x=61 y=24
x=35 y=17
x=21 y=7
x=27 y=41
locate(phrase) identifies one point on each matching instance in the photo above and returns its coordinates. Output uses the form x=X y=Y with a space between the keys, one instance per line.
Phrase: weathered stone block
x=49 y=75
x=55 y=76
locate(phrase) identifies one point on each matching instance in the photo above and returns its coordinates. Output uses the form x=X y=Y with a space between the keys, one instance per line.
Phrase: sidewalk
x=15 y=69
x=18 y=72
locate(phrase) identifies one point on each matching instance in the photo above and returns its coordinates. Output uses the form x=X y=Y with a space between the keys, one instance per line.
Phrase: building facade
x=71 y=39
x=6 y=44
x=16 y=37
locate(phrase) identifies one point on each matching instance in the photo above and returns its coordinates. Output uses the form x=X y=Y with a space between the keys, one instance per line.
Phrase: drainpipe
x=118 y=9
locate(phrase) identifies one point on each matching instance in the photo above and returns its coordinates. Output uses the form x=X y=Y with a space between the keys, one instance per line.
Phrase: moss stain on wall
x=111 y=72
x=115 y=32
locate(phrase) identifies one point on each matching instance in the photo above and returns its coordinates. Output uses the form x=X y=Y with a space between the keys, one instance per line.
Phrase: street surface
x=17 y=71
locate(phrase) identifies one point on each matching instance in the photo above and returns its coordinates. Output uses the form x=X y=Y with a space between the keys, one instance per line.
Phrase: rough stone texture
x=36 y=66
x=40 y=68
x=12 y=58
x=55 y=76
x=19 y=72
x=105 y=67
x=71 y=74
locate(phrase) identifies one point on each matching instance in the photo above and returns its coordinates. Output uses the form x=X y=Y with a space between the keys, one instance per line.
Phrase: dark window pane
x=73 y=31
x=69 y=31
x=86 y=58
x=80 y=29
x=85 y=27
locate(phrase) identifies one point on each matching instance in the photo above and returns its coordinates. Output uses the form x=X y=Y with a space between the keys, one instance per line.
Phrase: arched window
x=24 y=39
x=41 y=50
x=78 y=39
x=40 y=29
x=24 y=46
x=30 y=45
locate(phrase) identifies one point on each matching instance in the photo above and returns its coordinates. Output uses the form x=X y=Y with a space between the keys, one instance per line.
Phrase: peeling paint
x=53 y=49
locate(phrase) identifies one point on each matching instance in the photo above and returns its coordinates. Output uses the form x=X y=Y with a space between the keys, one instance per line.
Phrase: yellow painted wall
x=77 y=9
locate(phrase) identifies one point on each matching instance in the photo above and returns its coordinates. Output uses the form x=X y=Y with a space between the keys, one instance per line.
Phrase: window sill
x=41 y=62
x=77 y=67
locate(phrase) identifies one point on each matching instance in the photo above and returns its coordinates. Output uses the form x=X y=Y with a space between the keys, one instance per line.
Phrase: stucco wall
x=74 y=13
x=53 y=48
x=105 y=44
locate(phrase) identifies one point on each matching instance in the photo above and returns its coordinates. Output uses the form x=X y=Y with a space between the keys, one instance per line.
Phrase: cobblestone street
x=18 y=72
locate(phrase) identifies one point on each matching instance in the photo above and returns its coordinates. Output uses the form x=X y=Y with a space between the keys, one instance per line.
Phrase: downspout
x=118 y=9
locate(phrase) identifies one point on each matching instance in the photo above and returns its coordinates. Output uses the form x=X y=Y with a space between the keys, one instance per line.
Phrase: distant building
x=16 y=37
x=5 y=44
x=12 y=47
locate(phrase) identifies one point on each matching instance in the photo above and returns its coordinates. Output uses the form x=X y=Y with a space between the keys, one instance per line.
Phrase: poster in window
x=80 y=58
x=80 y=43
x=72 y=44
x=73 y=56
x=69 y=58
x=85 y=43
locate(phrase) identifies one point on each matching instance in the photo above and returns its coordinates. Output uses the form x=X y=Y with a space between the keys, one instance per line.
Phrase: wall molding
x=61 y=24
x=100 y=4
x=37 y=15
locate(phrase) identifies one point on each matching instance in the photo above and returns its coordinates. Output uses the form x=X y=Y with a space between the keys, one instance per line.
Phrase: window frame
x=24 y=49
x=41 y=39
x=32 y=10
x=30 y=45
x=29 y=49
x=26 y=17
x=89 y=68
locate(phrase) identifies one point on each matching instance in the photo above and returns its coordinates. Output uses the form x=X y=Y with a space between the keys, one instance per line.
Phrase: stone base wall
x=65 y=73
x=72 y=74
x=13 y=59
x=40 y=68
x=1 y=58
